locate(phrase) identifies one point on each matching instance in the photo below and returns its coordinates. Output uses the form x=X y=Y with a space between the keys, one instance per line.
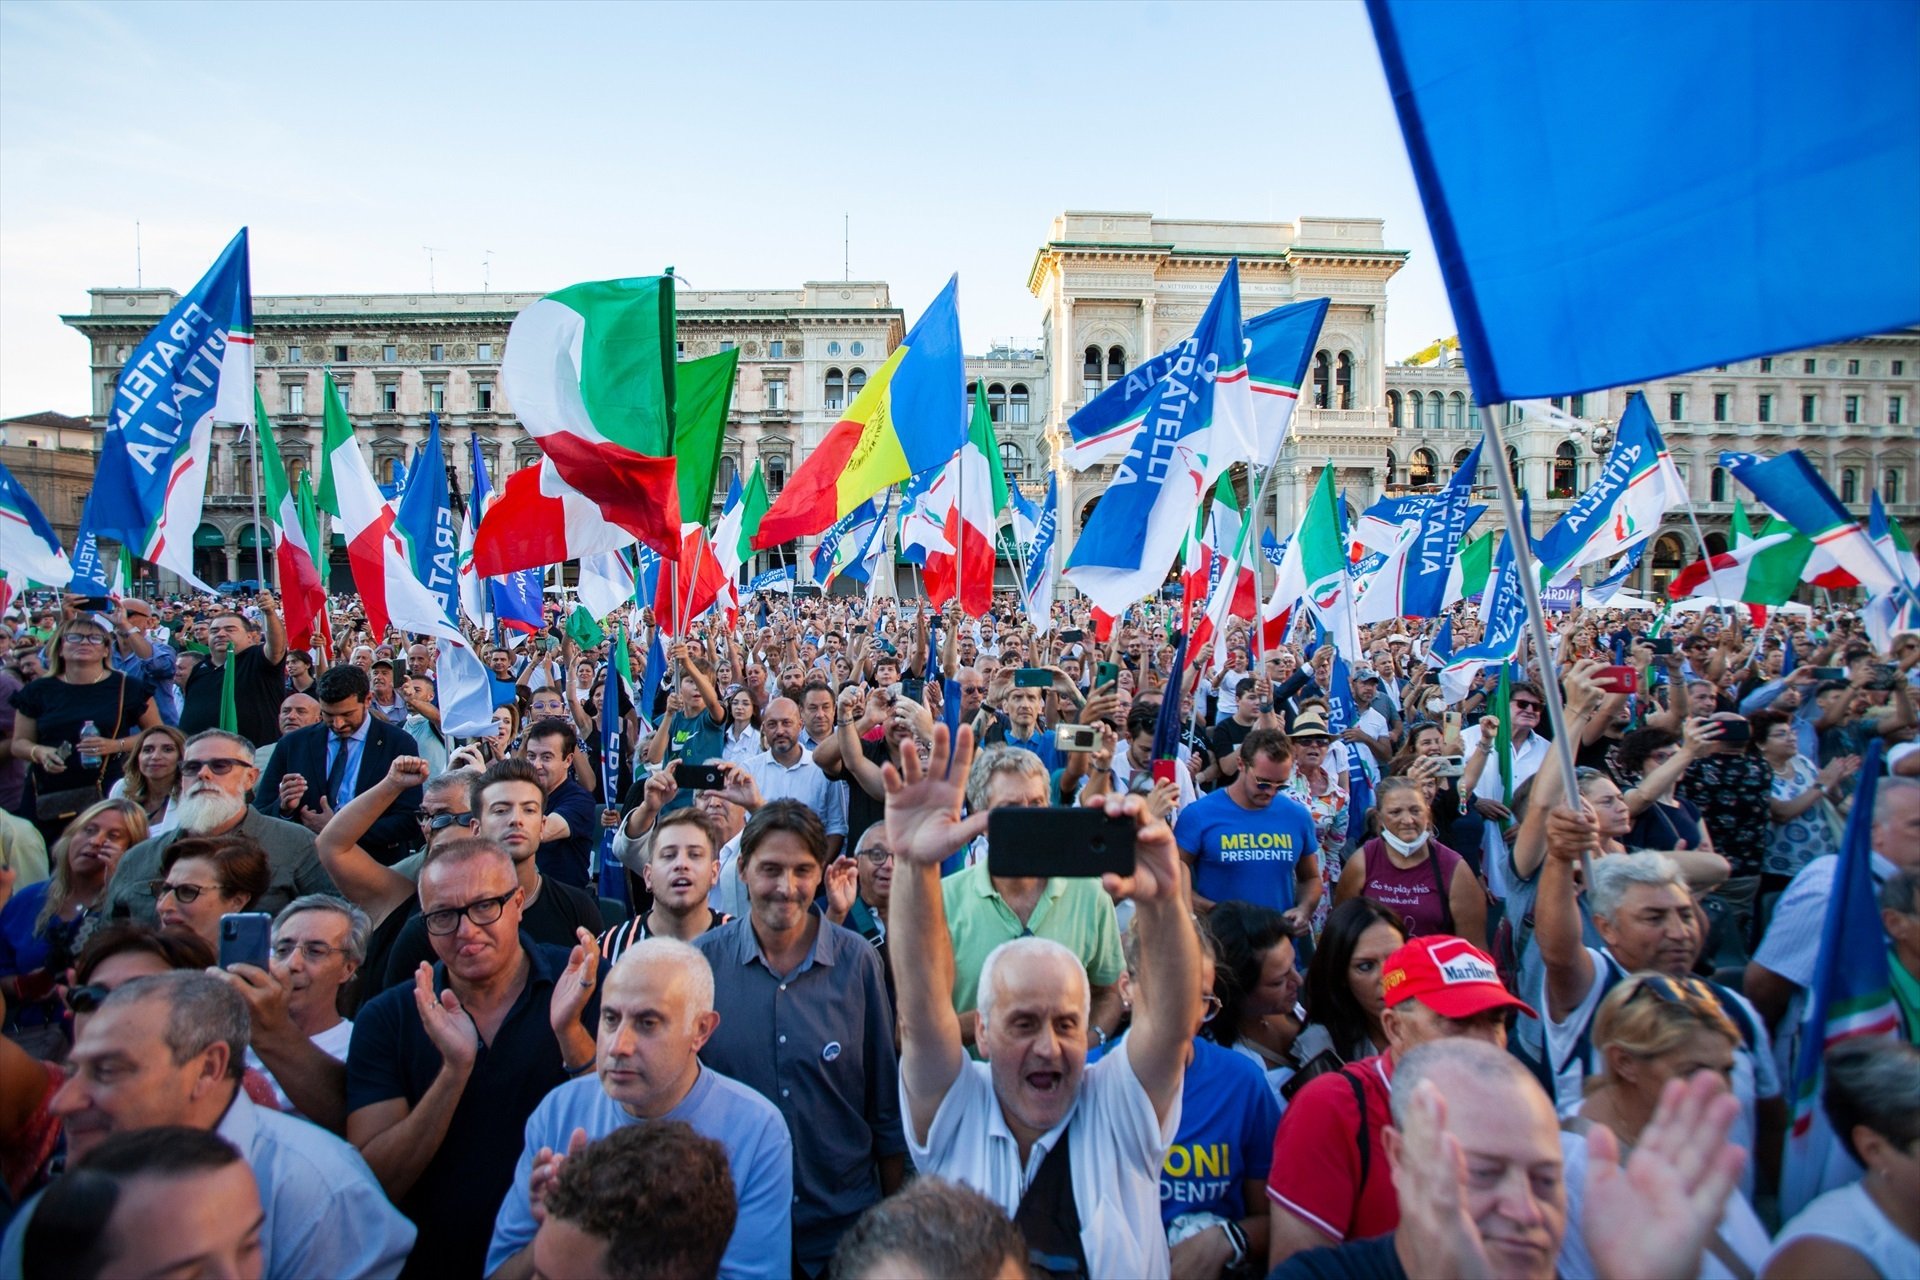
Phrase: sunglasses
x=88 y=998
x=1688 y=991
x=441 y=821
x=1534 y=707
x=218 y=768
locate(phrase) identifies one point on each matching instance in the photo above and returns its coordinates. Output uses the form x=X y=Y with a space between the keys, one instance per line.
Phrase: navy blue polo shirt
x=1040 y=744
x=391 y=1056
x=566 y=860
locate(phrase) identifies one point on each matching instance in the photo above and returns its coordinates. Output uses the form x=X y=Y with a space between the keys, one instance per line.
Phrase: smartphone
x=914 y=689
x=1107 y=673
x=1062 y=841
x=1076 y=737
x=1451 y=725
x=245 y=938
x=1829 y=673
x=1033 y=678
x=1735 y=732
x=699 y=777
x=1073 y=635
x=95 y=604
x=1452 y=766
x=1885 y=676
x=1618 y=679
x=1662 y=646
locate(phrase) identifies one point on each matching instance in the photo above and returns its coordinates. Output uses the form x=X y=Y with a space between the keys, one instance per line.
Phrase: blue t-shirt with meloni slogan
x=1246 y=855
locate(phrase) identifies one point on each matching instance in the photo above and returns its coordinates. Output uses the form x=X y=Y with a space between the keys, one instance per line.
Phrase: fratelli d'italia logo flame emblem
x=1624 y=526
x=1326 y=592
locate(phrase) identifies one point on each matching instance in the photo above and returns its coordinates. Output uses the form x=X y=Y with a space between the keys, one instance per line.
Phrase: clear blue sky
x=581 y=142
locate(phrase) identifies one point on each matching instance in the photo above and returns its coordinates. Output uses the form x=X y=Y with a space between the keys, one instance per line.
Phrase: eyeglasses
x=483 y=912
x=311 y=952
x=1534 y=707
x=85 y=637
x=1211 y=1003
x=877 y=855
x=219 y=768
x=441 y=821
x=88 y=998
x=183 y=893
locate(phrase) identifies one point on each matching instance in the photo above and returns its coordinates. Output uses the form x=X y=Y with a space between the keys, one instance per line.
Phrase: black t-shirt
x=59 y=711
x=552 y=919
x=863 y=810
x=259 y=687
x=1228 y=735
x=1373 y=1259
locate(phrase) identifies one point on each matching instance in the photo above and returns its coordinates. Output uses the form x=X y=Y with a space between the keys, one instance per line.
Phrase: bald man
x=297 y=712
x=786 y=771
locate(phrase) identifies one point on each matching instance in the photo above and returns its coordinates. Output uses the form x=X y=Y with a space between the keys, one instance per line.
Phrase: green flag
x=1742 y=531
x=702 y=392
x=310 y=525
x=337 y=434
x=583 y=630
x=229 y=709
x=1503 y=741
x=753 y=505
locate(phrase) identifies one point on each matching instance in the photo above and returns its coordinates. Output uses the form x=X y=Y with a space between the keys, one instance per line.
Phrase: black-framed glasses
x=483 y=912
x=219 y=768
x=311 y=952
x=441 y=821
x=877 y=854
x=183 y=893
x=88 y=998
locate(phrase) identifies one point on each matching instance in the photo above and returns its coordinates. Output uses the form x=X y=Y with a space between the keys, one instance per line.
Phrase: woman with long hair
x=76 y=722
x=1258 y=986
x=743 y=727
x=1345 y=997
x=204 y=878
x=1656 y=759
x=1406 y=868
x=40 y=925
x=154 y=781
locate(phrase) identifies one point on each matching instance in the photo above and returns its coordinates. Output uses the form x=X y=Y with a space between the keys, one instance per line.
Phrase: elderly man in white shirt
x=1072 y=1152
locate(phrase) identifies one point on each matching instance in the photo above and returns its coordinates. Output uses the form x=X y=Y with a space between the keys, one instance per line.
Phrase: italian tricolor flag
x=1731 y=575
x=975 y=491
x=1203 y=584
x=302 y=595
x=348 y=493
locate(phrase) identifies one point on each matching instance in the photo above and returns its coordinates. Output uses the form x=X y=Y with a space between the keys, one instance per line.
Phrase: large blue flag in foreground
x=1852 y=996
x=193 y=369
x=1734 y=133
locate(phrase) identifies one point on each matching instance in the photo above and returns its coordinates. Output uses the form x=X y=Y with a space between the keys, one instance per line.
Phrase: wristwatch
x=1238 y=1239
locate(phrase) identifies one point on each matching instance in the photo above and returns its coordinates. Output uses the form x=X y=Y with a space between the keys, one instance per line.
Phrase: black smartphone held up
x=245 y=938
x=95 y=604
x=1107 y=673
x=1885 y=677
x=1073 y=635
x=699 y=777
x=914 y=689
x=1829 y=673
x=1662 y=646
x=1735 y=732
x=1033 y=678
x=1061 y=841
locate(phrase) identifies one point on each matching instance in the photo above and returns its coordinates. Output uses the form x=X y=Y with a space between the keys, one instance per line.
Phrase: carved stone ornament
x=363 y=352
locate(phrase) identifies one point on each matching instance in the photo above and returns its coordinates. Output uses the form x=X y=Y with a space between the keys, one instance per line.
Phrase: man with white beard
x=216 y=773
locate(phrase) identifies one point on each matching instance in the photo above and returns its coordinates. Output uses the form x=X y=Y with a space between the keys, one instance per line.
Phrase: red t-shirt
x=1316 y=1154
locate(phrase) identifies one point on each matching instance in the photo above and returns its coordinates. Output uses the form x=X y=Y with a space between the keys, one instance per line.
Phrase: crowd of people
x=738 y=985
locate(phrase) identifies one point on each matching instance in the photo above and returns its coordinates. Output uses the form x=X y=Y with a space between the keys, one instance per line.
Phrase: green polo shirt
x=1075 y=913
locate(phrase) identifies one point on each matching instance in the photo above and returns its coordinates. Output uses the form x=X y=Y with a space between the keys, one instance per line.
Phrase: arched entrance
x=1669 y=557
x=339 y=571
x=251 y=538
x=210 y=555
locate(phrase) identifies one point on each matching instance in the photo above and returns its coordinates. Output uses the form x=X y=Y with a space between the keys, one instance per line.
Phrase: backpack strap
x=1048 y=1217
x=1363 y=1136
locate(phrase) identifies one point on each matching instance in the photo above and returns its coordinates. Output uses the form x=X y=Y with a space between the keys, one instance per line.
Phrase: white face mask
x=1404 y=847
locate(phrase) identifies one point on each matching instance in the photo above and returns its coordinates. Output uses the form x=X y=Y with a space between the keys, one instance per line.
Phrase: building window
x=1322 y=377
x=836 y=390
x=1890 y=486
x=1766 y=364
x=1436 y=404
x=390 y=471
x=1090 y=372
x=856 y=383
x=1849 y=485
x=1808 y=407
x=776 y=349
x=1893 y=411
x=1717 y=485
x=1853 y=368
x=389 y=353
x=1577 y=406
x=296 y=397
x=1852 y=409
x=1393 y=410
x=996 y=402
x=729 y=475
x=1513 y=466
x=776 y=397
x=1899 y=368
x=437 y=351
x=1675 y=403
x=1017 y=404
x=1460 y=460
x=483 y=397
x=776 y=474
x=1806 y=366
x=1013 y=461
x=1420 y=471
x=293 y=354
x=1456 y=410
x=1343 y=378
x=1566 y=462
x=1766 y=407
x=389 y=397
x=437 y=397
x=1393 y=467
x=296 y=467
x=339 y=353
x=1720 y=399
x=1116 y=364
x=483 y=351
x=1415 y=403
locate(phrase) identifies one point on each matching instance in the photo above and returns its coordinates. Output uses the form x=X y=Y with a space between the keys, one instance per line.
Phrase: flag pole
x=259 y=556
x=1523 y=565
x=1700 y=539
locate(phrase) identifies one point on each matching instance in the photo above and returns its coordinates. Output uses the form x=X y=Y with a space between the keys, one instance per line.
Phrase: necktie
x=337 y=771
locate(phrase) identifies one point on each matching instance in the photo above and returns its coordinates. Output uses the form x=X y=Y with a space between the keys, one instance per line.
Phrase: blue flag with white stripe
x=423 y=519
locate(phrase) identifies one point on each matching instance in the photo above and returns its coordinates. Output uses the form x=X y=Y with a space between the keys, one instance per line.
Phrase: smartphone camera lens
x=1098 y=844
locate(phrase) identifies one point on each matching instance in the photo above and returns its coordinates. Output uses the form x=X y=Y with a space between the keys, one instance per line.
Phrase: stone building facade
x=53 y=456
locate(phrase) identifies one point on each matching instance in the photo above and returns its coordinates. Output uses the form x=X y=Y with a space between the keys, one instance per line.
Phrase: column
x=233 y=563
x=1148 y=348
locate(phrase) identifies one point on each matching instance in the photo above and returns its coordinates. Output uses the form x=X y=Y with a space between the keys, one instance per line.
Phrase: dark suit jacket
x=304 y=751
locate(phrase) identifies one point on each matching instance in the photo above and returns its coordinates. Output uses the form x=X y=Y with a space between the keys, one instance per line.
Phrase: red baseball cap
x=1450 y=976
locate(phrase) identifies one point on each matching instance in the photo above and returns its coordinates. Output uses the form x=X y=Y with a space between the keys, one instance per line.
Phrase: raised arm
x=924 y=827
x=1696 y=739
x=275 y=629
x=374 y=888
x=1569 y=832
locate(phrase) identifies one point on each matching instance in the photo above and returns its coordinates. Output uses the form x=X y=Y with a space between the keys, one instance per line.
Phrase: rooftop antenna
x=486 y=271
x=138 y=279
x=431 y=250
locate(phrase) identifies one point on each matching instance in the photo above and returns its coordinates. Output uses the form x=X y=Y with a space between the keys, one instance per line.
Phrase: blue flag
x=90 y=569
x=424 y=521
x=613 y=875
x=654 y=677
x=1788 y=658
x=1503 y=616
x=1794 y=491
x=1443 y=528
x=1715 y=156
x=1275 y=552
x=192 y=369
x=512 y=601
x=855 y=529
x=1166 y=723
x=1602 y=591
x=780 y=579
x=1036 y=593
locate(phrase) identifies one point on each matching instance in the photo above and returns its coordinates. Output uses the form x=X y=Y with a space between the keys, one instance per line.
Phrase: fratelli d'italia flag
x=1794 y=491
x=192 y=369
x=1637 y=485
x=909 y=418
